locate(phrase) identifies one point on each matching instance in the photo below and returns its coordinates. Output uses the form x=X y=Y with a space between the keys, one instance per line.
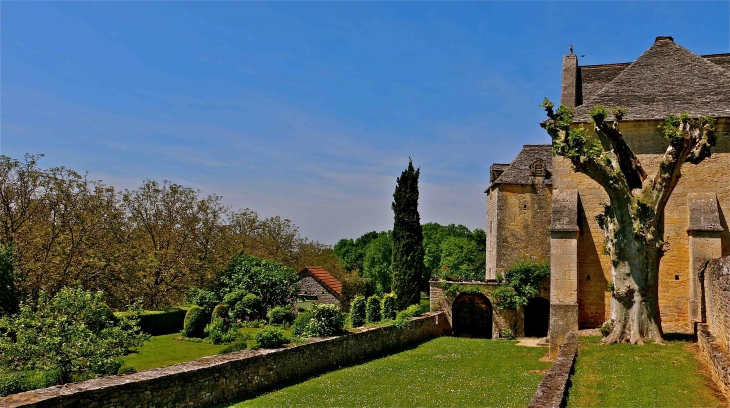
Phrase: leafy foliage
x=159 y=322
x=194 y=322
x=248 y=308
x=390 y=306
x=357 y=311
x=9 y=296
x=321 y=321
x=272 y=282
x=219 y=312
x=521 y=282
x=71 y=332
x=270 y=338
x=407 y=239
x=218 y=331
x=461 y=258
x=281 y=315
x=203 y=298
x=377 y=262
x=372 y=310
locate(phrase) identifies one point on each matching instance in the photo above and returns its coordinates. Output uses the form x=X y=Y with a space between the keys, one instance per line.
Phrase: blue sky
x=310 y=110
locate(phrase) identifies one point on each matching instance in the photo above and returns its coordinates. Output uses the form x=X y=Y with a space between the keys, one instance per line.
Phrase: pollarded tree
x=407 y=239
x=633 y=219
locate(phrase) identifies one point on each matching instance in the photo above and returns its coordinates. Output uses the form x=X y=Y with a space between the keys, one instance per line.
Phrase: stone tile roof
x=520 y=171
x=666 y=79
x=324 y=278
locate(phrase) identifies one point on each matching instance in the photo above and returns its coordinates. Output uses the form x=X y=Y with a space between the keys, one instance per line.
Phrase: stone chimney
x=568 y=94
x=664 y=38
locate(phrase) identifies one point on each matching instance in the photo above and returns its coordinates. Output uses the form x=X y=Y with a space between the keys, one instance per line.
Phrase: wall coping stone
x=703 y=212
x=553 y=387
x=564 y=211
x=201 y=382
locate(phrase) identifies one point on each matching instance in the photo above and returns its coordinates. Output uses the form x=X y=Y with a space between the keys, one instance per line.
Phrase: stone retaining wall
x=715 y=356
x=216 y=379
x=553 y=387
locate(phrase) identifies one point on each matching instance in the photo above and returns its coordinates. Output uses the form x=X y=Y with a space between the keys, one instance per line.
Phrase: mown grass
x=446 y=371
x=652 y=375
x=166 y=350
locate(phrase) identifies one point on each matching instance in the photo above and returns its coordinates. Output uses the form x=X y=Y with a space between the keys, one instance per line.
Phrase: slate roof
x=519 y=171
x=666 y=79
x=324 y=278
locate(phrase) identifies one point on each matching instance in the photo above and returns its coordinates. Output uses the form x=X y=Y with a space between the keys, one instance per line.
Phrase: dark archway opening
x=472 y=316
x=537 y=317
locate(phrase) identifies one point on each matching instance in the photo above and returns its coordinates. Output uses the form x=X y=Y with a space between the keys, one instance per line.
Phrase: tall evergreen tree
x=407 y=239
x=9 y=298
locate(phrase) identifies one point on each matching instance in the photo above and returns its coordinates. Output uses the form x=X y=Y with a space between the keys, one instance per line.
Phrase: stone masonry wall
x=310 y=287
x=716 y=284
x=710 y=176
x=492 y=227
x=524 y=217
x=210 y=380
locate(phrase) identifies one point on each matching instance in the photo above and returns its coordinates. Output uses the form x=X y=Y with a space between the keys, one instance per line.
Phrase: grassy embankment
x=652 y=375
x=445 y=371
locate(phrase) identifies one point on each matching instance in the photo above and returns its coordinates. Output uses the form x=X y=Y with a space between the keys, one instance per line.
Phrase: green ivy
x=521 y=282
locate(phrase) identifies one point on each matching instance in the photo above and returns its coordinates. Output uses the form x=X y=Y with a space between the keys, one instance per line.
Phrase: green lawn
x=652 y=375
x=165 y=350
x=446 y=371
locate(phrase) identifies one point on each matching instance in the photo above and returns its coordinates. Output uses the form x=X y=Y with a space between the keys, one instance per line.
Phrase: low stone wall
x=717 y=358
x=553 y=387
x=716 y=288
x=216 y=379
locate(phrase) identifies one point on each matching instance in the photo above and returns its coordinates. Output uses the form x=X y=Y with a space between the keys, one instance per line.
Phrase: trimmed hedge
x=372 y=309
x=162 y=321
x=357 y=311
x=194 y=325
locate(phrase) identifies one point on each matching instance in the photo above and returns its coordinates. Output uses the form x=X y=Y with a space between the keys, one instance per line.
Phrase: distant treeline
x=152 y=243
x=451 y=251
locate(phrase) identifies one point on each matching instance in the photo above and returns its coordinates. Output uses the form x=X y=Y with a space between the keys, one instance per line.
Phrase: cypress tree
x=407 y=239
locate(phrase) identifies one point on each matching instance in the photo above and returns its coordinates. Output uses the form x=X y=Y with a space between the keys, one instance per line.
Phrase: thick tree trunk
x=635 y=256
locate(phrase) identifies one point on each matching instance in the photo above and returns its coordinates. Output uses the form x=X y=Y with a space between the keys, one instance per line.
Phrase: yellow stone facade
x=594 y=267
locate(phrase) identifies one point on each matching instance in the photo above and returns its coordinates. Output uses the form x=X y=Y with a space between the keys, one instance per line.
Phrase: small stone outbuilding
x=316 y=284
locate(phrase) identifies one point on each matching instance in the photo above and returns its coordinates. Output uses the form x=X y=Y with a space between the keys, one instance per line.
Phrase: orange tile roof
x=324 y=277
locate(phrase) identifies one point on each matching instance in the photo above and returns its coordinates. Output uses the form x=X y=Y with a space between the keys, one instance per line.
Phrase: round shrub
x=281 y=315
x=98 y=316
x=390 y=306
x=194 y=324
x=357 y=311
x=299 y=327
x=249 y=308
x=327 y=320
x=372 y=309
x=219 y=312
x=234 y=297
x=270 y=338
x=203 y=298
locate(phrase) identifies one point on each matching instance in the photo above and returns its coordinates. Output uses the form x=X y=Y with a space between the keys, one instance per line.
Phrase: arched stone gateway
x=537 y=317
x=472 y=316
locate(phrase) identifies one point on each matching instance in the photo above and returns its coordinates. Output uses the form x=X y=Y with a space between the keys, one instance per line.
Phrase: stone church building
x=538 y=207
x=666 y=79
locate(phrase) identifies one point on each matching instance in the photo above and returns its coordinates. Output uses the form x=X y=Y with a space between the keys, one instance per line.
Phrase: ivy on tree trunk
x=633 y=219
x=407 y=239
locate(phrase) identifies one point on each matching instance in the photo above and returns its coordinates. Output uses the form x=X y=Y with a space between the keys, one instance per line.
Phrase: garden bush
x=390 y=306
x=53 y=335
x=357 y=311
x=327 y=320
x=372 y=309
x=219 y=312
x=238 y=345
x=194 y=322
x=234 y=297
x=281 y=315
x=15 y=382
x=404 y=316
x=249 y=308
x=270 y=338
x=300 y=324
x=126 y=370
x=521 y=282
x=203 y=298
x=219 y=332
